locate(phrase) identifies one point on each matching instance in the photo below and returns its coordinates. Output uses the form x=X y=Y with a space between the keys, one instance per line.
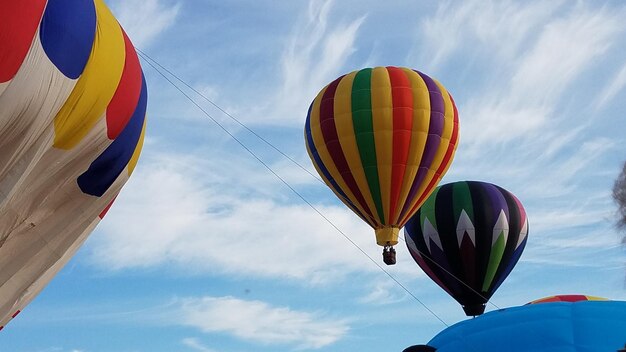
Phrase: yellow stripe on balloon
x=419 y=134
x=327 y=160
x=135 y=157
x=382 y=112
x=96 y=86
x=347 y=139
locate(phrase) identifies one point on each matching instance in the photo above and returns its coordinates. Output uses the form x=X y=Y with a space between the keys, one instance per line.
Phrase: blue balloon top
x=584 y=326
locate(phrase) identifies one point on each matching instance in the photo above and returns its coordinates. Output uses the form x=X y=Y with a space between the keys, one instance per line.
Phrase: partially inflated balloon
x=381 y=139
x=593 y=326
x=72 y=118
x=467 y=237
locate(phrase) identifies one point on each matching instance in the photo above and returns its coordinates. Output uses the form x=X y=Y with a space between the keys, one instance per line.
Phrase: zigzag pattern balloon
x=467 y=237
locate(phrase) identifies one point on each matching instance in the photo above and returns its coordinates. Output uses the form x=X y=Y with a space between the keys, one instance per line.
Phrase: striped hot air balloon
x=72 y=121
x=381 y=138
x=467 y=237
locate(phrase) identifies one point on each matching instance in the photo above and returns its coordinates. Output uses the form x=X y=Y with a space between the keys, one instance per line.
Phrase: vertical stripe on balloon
x=465 y=231
x=124 y=101
x=363 y=123
x=427 y=211
x=382 y=112
x=104 y=211
x=500 y=233
x=435 y=128
x=331 y=141
x=323 y=162
x=96 y=85
x=419 y=134
x=444 y=153
x=132 y=163
x=402 y=98
x=18 y=24
x=347 y=137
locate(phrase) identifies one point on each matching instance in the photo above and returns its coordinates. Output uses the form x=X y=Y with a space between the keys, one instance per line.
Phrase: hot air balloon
x=381 y=139
x=587 y=325
x=467 y=237
x=72 y=121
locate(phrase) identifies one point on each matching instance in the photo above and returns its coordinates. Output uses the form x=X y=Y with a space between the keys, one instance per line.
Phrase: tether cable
x=148 y=60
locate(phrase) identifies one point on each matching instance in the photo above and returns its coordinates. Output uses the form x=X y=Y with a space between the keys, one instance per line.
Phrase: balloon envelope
x=72 y=121
x=590 y=326
x=567 y=298
x=381 y=139
x=467 y=237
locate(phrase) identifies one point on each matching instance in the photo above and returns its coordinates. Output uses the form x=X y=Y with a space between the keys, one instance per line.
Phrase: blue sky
x=206 y=250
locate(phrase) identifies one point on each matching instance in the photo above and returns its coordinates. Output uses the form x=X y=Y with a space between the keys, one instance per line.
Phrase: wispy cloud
x=526 y=104
x=195 y=344
x=260 y=322
x=610 y=91
x=385 y=293
x=144 y=20
x=315 y=55
x=501 y=27
x=565 y=48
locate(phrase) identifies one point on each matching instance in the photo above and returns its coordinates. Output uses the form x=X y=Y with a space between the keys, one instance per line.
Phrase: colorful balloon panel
x=381 y=139
x=467 y=237
x=72 y=123
x=590 y=326
x=19 y=21
x=567 y=298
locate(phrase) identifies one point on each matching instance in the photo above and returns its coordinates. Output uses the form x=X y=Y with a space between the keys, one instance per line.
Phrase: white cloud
x=314 y=56
x=260 y=322
x=562 y=176
x=526 y=104
x=532 y=59
x=499 y=26
x=565 y=48
x=386 y=292
x=610 y=91
x=191 y=216
x=544 y=221
x=144 y=20
x=195 y=344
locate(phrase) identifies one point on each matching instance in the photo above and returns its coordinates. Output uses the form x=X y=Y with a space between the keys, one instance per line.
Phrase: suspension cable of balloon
x=159 y=69
x=162 y=69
